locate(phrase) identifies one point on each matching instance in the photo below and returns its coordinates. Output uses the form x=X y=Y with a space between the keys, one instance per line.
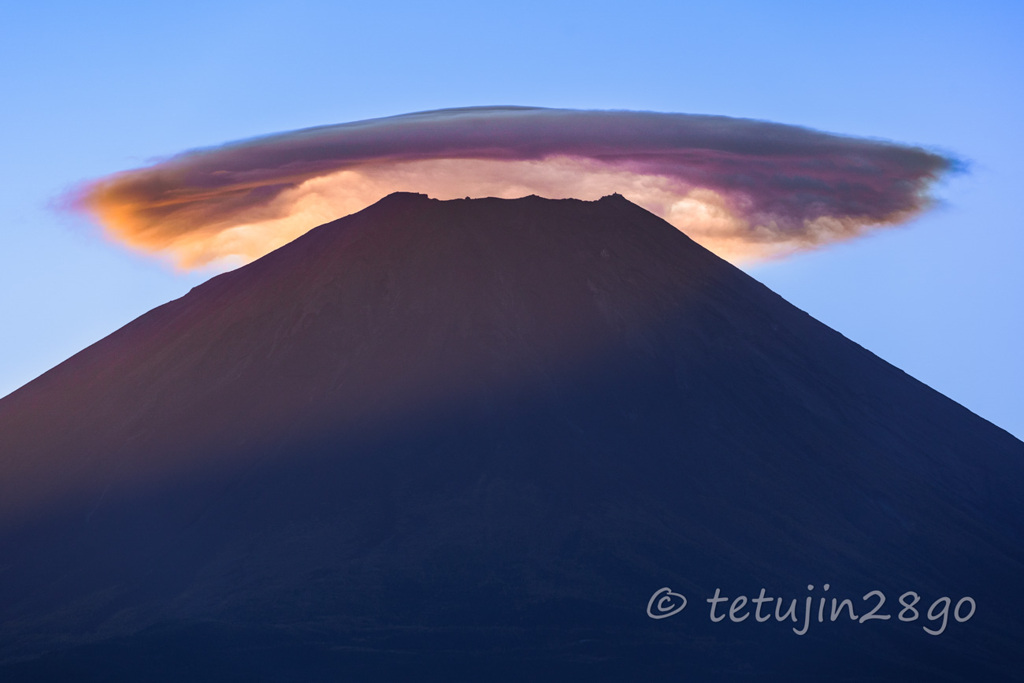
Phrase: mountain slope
x=470 y=439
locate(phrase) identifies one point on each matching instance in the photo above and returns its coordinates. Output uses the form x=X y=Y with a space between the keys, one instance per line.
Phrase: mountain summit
x=473 y=440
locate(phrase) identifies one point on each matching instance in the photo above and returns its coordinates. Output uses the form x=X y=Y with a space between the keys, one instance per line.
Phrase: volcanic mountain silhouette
x=469 y=440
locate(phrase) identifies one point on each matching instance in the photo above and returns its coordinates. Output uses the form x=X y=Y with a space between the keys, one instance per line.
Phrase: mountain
x=470 y=440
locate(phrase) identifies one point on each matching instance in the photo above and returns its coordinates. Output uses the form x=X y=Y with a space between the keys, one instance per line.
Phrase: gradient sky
x=95 y=89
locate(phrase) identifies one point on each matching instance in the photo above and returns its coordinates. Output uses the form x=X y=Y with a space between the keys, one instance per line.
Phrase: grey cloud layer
x=779 y=181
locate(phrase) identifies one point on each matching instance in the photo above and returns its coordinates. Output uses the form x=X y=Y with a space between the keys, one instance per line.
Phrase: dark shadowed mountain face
x=469 y=440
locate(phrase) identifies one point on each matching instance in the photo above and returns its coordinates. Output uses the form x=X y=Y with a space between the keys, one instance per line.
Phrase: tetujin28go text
x=666 y=603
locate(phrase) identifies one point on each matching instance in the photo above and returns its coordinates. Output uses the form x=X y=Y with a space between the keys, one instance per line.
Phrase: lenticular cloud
x=745 y=189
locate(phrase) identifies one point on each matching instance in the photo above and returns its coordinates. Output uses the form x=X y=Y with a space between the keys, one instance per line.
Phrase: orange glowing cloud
x=747 y=190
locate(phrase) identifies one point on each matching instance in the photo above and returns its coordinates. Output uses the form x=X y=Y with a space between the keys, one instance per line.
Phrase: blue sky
x=94 y=89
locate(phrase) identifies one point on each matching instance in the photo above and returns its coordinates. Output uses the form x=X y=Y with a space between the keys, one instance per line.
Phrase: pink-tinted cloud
x=745 y=189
